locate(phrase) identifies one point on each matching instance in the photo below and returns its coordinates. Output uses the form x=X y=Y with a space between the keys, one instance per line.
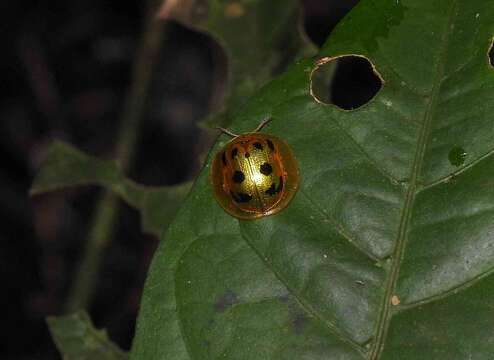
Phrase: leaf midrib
x=398 y=253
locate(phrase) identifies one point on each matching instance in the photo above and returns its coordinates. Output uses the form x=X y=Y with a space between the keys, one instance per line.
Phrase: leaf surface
x=386 y=251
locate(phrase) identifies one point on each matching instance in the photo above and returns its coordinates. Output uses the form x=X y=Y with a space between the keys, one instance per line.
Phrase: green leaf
x=66 y=166
x=386 y=251
x=77 y=339
x=258 y=37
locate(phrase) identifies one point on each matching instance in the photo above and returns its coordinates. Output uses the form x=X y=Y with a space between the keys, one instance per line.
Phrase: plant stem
x=102 y=227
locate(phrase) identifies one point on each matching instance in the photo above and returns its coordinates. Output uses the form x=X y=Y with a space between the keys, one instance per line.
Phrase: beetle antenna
x=263 y=123
x=226 y=131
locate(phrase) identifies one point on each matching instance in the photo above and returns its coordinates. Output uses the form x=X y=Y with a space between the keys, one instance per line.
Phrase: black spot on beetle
x=240 y=197
x=271 y=190
x=225 y=301
x=270 y=144
x=266 y=169
x=234 y=153
x=244 y=197
x=238 y=176
x=223 y=158
x=258 y=145
x=247 y=155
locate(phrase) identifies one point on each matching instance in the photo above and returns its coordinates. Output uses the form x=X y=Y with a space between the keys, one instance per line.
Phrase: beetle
x=254 y=174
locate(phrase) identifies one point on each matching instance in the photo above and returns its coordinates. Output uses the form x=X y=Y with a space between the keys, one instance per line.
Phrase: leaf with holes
x=258 y=39
x=65 y=166
x=386 y=251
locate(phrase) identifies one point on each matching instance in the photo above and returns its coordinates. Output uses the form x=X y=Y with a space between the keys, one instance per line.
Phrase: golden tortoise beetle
x=254 y=174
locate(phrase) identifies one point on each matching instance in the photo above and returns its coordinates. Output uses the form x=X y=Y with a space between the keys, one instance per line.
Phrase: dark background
x=65 y=69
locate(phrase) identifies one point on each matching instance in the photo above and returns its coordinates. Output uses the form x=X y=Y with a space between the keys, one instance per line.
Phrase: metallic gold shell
x=254 y=175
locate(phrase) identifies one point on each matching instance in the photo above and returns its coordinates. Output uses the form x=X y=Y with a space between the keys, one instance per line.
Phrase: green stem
x=105 y=215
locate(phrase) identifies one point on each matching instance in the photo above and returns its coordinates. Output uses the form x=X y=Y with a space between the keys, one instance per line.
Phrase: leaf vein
x=385 y=314
x=460 y=287
x=373 y=162
x=307 y=307
x=449 y=177
x=339 y=228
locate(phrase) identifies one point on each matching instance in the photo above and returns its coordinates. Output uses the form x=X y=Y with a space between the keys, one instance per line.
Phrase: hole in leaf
x=348 y=82
x=491 y=53
x=321 y=82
